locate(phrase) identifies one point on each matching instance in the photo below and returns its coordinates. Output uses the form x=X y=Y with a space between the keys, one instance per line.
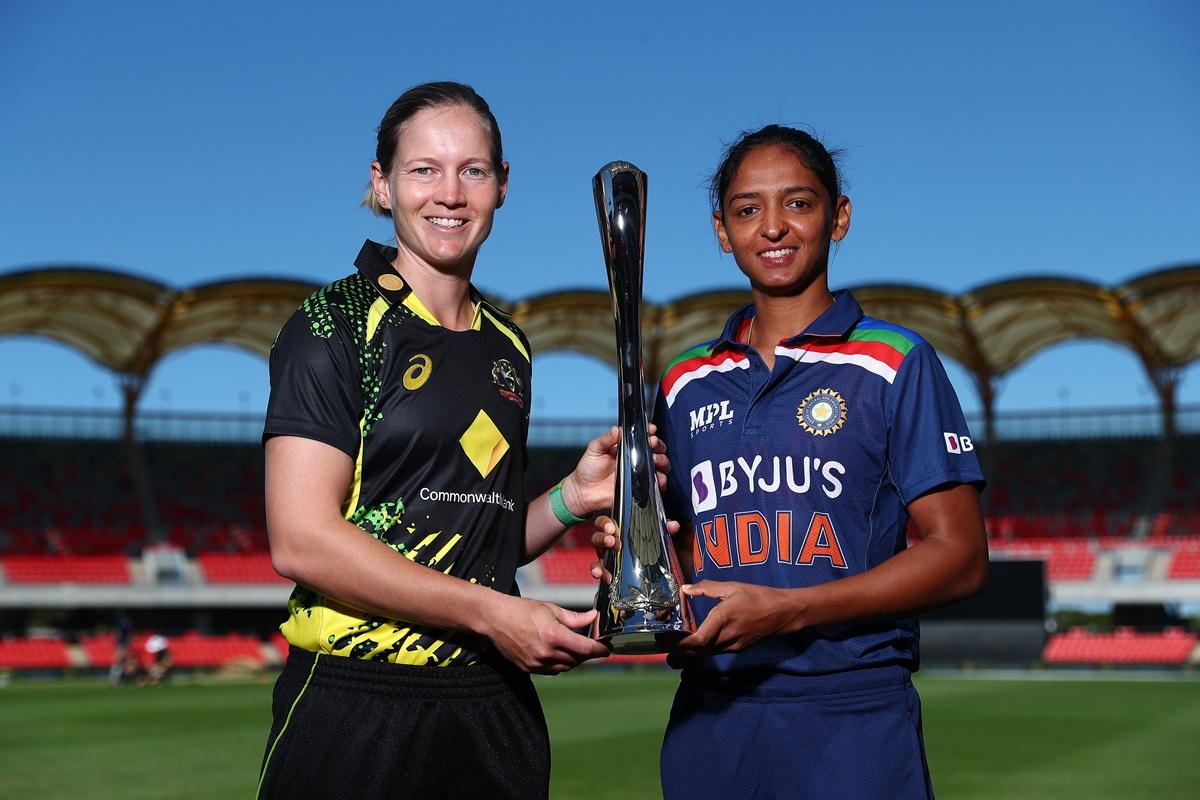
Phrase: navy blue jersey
x=802 y=474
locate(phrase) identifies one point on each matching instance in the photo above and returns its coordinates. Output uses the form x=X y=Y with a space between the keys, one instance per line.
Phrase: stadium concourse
x=158 y=518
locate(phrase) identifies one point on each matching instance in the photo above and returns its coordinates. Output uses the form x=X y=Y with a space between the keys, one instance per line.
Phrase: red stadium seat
x=238 y=568
x=34 y=653
x=197 y=650
x=578 y=536
x=1122 y=646
x=280 y=644
x=1185 y=561
x=100 y=651
x=66 y=569
x=568 y=565
x=1066 y=559
x=189 y=650
x=1071 y=561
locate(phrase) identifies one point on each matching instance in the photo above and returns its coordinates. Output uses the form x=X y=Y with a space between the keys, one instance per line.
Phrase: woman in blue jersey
x=832 y=431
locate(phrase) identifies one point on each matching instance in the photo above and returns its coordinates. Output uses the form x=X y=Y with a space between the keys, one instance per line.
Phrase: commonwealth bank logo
x=484 y=444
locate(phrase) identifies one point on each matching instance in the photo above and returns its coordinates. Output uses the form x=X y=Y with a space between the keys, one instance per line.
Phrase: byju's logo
x=710 y=416
x=796 y=475
x=704 y=488
x=957 y=444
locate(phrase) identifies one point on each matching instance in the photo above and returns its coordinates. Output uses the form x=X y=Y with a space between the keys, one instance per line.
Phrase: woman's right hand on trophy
x=605 y=537
x=538 y=636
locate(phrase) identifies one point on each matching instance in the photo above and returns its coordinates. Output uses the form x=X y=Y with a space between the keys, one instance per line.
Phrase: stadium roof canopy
x=127 y=324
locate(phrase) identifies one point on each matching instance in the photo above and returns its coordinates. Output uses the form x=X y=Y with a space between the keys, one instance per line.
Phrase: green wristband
x=559 y=507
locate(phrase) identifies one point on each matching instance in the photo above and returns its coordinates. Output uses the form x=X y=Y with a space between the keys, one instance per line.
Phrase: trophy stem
x=641 y=607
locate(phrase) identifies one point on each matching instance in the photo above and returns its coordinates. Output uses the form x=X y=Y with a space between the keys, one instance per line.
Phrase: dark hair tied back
x=804 y=145
x=428 y=95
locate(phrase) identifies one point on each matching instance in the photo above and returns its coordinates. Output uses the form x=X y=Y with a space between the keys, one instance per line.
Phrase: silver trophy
x=641 y=607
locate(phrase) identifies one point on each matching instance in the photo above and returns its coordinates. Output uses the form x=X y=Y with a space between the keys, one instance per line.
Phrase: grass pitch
x=986 y=739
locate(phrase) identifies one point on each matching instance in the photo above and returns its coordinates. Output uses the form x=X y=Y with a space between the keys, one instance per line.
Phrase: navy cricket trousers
x=849 y=736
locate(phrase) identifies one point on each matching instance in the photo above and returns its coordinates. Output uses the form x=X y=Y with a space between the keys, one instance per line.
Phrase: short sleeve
x=929 y=443
x=316 y=384
x=676 y=494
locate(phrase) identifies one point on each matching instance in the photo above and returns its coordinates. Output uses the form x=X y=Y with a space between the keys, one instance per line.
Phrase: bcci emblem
x=505 y=376
x=823 y=412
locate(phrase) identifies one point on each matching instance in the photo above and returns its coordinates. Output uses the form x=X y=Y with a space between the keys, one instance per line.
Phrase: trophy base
x=640 y=643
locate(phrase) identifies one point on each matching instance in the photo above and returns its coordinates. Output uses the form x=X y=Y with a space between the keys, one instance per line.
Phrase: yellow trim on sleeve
x=352 y=496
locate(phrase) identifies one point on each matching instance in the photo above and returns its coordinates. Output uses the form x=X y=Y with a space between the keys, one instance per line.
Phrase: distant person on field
x=159 y=650
x=129 y=669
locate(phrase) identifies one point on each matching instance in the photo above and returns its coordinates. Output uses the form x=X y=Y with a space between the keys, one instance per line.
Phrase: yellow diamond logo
x=484 y=444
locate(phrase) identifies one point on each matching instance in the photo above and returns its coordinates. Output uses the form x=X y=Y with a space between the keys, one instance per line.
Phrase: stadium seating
x=1185 y=560
x=280 y=644
x=101 y=651
x=195 y=650
x=1066 y=559
x=1123 y=646
x=67 y=496
x=66 y=569
x=567 y=565
x=81 y=497
x=1093 y=487
x=34 y=653
x=188 y=650
x=238 y=568
x=91 y=512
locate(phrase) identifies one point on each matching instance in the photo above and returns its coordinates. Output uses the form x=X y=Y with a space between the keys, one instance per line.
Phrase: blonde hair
x=418 y=98
x=371 y=201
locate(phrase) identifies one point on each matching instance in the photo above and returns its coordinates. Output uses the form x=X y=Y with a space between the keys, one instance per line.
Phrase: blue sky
x=190 y=142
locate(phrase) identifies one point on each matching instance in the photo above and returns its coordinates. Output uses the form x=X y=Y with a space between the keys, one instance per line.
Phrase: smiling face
x=778 y=219
x=443 y=188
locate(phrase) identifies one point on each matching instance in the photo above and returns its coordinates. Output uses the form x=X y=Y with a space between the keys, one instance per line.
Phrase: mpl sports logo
x=710 y=416
x=956 y=443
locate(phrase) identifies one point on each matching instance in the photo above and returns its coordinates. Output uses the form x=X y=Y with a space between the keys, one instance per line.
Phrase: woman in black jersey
x=395 y=451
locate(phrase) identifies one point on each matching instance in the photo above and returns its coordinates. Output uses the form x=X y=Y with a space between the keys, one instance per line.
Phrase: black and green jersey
x=436 y=422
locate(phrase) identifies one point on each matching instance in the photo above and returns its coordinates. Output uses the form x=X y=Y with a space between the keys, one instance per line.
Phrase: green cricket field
x=987 y=738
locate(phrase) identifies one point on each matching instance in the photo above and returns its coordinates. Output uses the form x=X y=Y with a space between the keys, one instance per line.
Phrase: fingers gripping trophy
x=641 y=609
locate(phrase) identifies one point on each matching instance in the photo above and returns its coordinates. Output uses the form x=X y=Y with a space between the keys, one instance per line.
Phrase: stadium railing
x=172 y=426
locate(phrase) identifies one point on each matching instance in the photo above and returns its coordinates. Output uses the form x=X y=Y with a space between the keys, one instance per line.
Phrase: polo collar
x=834 y=322
x=374 y=263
